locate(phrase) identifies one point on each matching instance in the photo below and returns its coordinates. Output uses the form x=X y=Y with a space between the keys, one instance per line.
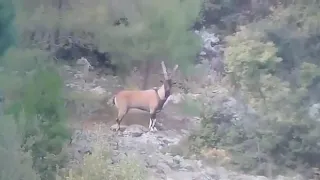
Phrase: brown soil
x=107 y=115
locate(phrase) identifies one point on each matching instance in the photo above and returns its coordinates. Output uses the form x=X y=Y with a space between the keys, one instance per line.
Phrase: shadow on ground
x=107 y=116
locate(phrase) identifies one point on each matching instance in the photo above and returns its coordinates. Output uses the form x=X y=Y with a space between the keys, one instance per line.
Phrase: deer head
x=165 y=89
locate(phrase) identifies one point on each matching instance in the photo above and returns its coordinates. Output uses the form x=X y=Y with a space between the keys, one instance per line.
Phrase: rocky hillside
x=153 y=151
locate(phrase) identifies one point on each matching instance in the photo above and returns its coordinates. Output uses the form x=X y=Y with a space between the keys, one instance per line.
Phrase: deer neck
x=162 y=95
x=162 y=92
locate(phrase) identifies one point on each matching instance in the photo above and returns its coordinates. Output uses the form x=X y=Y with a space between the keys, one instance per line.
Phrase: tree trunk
x=146 y=74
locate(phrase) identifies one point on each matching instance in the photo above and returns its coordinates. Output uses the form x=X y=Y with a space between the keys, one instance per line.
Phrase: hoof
x=153 y=129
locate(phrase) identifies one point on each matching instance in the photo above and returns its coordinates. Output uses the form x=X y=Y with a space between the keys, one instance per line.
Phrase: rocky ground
x=150 y=148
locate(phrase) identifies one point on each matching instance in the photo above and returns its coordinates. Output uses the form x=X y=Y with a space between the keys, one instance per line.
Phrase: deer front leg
x=119 y=119
x=152 y=122
x=153 y=125
x=118 y=125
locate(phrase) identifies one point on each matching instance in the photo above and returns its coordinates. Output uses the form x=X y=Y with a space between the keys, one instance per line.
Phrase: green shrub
x=272 y=67
x=6 y=28
x=39 y=95
x=42 y=98
x=97 y=166
x=15 y=164
x=261 y=146
x=31 y=141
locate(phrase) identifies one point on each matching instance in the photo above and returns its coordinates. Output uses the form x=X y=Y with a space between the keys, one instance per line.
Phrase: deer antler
x=174 y=70
x=164 y=69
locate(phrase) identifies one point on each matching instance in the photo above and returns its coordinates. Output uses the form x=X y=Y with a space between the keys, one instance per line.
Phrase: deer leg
x=153 y=125
x=152 y=122
x=118 y=123
x=119 y=119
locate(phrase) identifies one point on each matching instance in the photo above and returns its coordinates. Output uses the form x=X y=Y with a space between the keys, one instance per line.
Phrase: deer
x=151 y=100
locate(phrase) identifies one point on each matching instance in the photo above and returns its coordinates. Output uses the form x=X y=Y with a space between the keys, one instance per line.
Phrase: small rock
x=186 y=165
x=157 y=176
x=199 y=164
x=261 y=178
x=67 y=68
x=211 y=172
x=177 y=159
x=115 y=126
x=182 y=175
x=222 y=173
x=164 y=167
x=118 y=156
x=98 y=90
x=135 y=130
x=298 y=177
x=151 y=161
x=176 y=98
x=170 y=162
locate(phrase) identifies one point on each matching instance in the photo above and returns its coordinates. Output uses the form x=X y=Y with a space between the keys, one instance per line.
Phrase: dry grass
x=97 y=166
x=217 y=155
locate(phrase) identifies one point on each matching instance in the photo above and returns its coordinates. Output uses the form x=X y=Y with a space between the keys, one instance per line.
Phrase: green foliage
x=190 y=106
x=261 y=146
x=309 y=72
x=36 y=89
x=6 y=29
x=46 y=85
x=16 y=164
x=273 y=63
x=249 y=57
x=152 y=32
x=41 y=99
x=32 y=93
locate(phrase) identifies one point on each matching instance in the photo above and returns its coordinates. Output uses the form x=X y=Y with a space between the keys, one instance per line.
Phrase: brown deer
x=150 y=100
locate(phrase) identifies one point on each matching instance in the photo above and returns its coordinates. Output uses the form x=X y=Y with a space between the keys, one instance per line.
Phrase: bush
x=32 y=94
x=275 y=74
x=97 y=166
x=262 y=146
x=15 y=164
x=37 y=92
x=6 y=28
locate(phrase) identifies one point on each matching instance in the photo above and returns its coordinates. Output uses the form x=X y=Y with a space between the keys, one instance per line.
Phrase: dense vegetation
x=34 y=123
x=271 y=59
x=273 y=63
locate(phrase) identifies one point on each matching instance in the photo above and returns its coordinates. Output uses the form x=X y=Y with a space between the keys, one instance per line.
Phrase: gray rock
x=169 y=160
x=177 y=159
x=187 y=165
x=135 y=130
x=183 y=175
x=298 y=177
x=151 y=161
x=261 y=178
x=115 y=126
x=117 y=156
x=314 y=112
x=210 y=172
x=163 y=167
